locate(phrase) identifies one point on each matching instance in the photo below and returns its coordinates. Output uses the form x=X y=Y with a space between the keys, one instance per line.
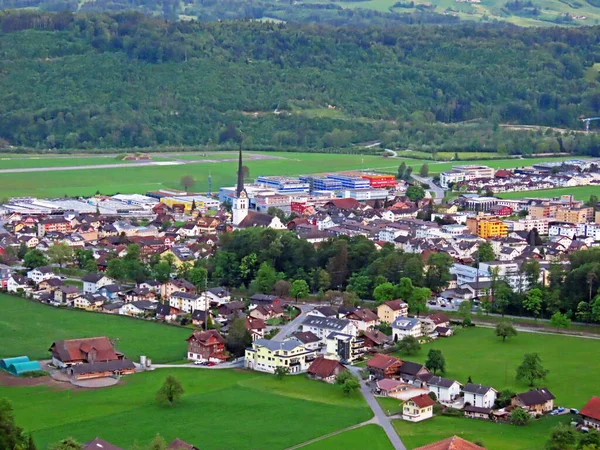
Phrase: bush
x=438 y=409
x=453 y=412
x=35 y=374
x=432 y=396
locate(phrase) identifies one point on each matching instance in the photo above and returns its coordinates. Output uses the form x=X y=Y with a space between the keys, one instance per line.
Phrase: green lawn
x=580 y=192
x=494 y=436
x=29 y=328
x=138 y=179
x=21 y=162
x=478 y=353
x=389 y=405
x=370 y=437
x=221 y=409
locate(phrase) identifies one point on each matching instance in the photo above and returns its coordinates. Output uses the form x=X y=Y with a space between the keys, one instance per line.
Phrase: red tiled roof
x=382 y=362
x=178 y=444
x=422 y=401
x=452 y=443
x=438 y=318
x=253 y=323
x=592 y=408
x=345 y=203
x=396 y=305
x=364 y=314
x=324 y=368
x=204 y=336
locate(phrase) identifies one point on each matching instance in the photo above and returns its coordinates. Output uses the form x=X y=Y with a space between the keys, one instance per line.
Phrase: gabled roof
x=477 y=409
x=422 y=401
x=178 y=444
x=438 y=318
x=592 y=408
x=387 y=384
x=535 y=396
x=363 y=314
x=452 y=443
x=378 y=337
x=204 y=336
x=286 y=345
x=411 y=368
x=99 y=444
x=324 y=368
x=92 y=277
x=396 y=305
x=103 y=366
x=441 y=382
x=478 y=389
x=382 y=362
x=75 y=349
x=405 y=323
x=325 y=323
x=306 y=337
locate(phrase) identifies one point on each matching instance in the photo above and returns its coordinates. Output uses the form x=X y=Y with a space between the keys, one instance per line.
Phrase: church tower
x=240 y=202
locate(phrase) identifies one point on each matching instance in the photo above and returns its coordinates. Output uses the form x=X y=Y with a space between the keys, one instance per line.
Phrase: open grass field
x=29 y=163
x=370 y=437
x=221 y=409
x=494 y=436
x=478 y=353
x=138 y=179
x=29 y=328
x=389 y=405
x=580 y=192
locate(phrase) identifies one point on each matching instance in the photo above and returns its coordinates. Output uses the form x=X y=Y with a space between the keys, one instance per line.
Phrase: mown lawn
x=221 y=409
x=29 y=328
x=493 y=436
x=580 y=192
x=21 y=162
x=370 y=437
x=478 y=353
x=390 y=405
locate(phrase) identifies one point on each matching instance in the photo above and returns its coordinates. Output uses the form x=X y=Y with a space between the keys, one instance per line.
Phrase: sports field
x=137 y=179
x=221 y=409
x=494 y=436
x=29 y=328
x=479 y=354
x=580 y=193
x=370 y=437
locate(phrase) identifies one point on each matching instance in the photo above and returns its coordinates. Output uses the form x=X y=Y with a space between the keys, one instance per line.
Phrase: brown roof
x=344 y=203
x=306 y=337
x=452 y=443
x=378 y=337
x=253 y=323
x=382 y=362
x=535 y=396
x=178 y=444
x=592 y=408
x=255 y=219
x=396 y=305
x=324 y=368
x=204 y=336
x=76 y=349
x=438 y=318
x=422 y=401
x=99 y=444
x=364 y=314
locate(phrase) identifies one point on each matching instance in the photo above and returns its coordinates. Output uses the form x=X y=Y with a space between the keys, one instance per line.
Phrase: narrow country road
x=438 y=192
x=288 y=329
x=237 y=364
x=325 y=436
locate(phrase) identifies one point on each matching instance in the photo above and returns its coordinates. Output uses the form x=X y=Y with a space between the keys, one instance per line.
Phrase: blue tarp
x=6 y=362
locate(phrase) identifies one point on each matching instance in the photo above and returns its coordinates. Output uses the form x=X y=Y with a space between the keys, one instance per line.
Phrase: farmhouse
x=418 y=408
x=87 y=350
x=383 y=366
x=536 y=401
x=591 y=413
x=325 y=369
x=206 y=346
x=101 y=369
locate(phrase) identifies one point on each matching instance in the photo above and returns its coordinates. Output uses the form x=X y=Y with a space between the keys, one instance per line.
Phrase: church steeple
x=240 y=175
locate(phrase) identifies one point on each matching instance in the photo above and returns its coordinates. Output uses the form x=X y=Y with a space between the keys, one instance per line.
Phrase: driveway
x=291 y=327
x=237 y=364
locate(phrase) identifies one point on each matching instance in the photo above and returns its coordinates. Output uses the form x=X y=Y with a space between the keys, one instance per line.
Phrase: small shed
x=6 y=362
x=23 y=367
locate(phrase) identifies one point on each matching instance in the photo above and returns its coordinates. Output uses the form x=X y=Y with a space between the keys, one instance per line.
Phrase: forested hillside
x=123 y=80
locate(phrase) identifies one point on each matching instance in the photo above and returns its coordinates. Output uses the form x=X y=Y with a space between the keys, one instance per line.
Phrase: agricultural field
x=220 y=409
x=39 y=162
x=494 y=436
x=579 y=192
x=479 y=354
x=29 y=328
x=140 y=179
x=370 y=436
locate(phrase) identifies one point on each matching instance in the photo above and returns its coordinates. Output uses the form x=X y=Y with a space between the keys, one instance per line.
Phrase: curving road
x=438 y=192
x=291 y=327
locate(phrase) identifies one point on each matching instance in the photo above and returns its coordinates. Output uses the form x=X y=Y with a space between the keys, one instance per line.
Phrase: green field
x=478 y=353
x=580 y=193
x=370 y=437
x=141 y=179
x=30 y=163
x=494 y=436
x=389 y=405
x=221 y=409
x=29 y=328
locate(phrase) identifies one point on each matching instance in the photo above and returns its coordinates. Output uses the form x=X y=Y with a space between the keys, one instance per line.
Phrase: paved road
x=380 y=417
x=438 y=192
x=294 y=324
x=239 y=363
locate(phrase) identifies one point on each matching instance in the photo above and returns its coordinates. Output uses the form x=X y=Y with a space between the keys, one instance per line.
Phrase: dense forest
x=127 y=80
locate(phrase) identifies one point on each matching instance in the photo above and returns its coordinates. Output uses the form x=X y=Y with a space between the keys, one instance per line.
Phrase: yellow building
x=576 y=215
x=267 y=355
x=201 y=202
x=491 y=228
x=391 y=310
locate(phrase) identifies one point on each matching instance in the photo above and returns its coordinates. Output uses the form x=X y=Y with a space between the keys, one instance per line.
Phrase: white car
x=198 y=362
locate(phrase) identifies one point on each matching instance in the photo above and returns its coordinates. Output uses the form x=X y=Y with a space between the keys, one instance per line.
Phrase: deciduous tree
x=531 y=369
x=170 y=392
x=435 y=361
x=504 y=330
x=409 y=345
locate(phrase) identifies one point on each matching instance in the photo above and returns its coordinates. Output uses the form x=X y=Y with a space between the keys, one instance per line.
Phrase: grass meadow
x=370 y=437
x=220 y=409
x=494 y=436
x=580 y=192
x=29 y=328
x=479 y=354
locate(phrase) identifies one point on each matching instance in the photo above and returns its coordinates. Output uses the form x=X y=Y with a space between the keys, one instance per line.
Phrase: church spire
x=240 y=178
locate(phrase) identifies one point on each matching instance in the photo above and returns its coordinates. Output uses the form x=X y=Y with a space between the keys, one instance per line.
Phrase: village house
x=479 y=395
x=451 y=443
x=418 y=408
x=446 y=390
x=17 y=282
x=266 y=312
x=267 y=355
x=167 y=289
x=89 y=302
x=375 y=339
x=383 y=366
x=206 y=346
x=537 y=401
x=139 y=308
x=94 y=281
x=99 y=444
x=256 y=327
x=323 y=327
x=178 y=444
x=364 y=319
x=391 y=310
x=187 y=301
x=388 y=387
x=406 y=326
x=325 y=369
x=40 y=273
x=66 y=295
x=110 y=291
x=199 y=318
x=414 y=373
x=166 y=312
x=66 y=353
x=263 y=300
x=591 y=413
x=50 y=284
x=345 y=347
x=477 y=412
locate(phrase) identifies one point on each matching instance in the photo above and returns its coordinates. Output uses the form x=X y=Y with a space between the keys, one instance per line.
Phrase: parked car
x=574 y=411
x=211 y=364
x=198 y=362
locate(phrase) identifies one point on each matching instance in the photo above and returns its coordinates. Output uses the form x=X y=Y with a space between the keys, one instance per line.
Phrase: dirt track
x=7 y=379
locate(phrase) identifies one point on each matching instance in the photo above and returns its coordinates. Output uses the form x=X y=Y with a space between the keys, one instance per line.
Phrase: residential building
x=206 y=346
x=94 y=281
x=325 y=369
x=406 y=326
x=536 y=401
x=391 y=310
x=168 y=288
x=477 y=412
x=310 y=340
x=17 y=282
x=187 y=301
x=323 y=327
x=267 y=355
x=344 y=347
x=451 y=443
x=53 y=224
x=256 y=327
x=418 y=408
x=414 y=373
x=446 y=390
x=491 y=228
x=479 y=396
x=383 y=366
x=575 y=215
x=40 y=273
x=375 y=339
x=591 y=413
x=364 y=319
x=66 y=295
